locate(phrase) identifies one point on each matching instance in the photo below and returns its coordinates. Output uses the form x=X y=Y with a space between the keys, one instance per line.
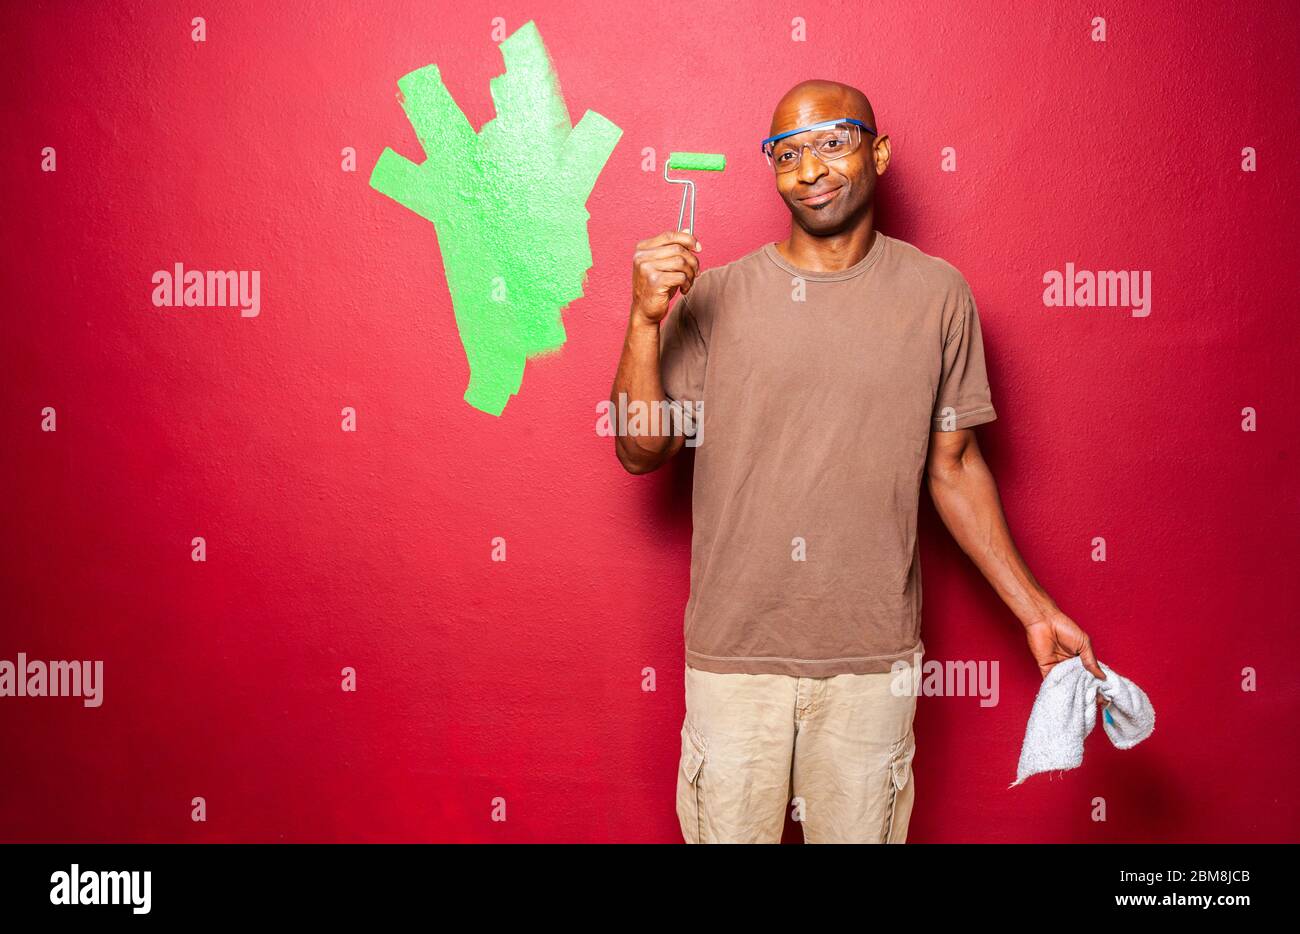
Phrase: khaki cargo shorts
x=837 y=751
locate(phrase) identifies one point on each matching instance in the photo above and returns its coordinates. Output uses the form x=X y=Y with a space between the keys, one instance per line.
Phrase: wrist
x=1042 y=610
x=641 y=325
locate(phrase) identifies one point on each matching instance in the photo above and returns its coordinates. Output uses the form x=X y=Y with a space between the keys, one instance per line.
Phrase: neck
x=830 y=253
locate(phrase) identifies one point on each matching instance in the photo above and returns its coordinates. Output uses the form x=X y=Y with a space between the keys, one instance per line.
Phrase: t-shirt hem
x=967 y=419
x=802 y=667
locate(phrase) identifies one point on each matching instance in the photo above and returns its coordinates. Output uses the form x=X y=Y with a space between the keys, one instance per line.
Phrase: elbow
x=635 y=467
x=943 y=475
x=634 y=460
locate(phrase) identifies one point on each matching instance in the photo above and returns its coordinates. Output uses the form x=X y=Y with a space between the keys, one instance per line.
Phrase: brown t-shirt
x=818 y=393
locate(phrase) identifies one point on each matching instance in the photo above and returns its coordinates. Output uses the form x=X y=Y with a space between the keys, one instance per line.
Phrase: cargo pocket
x=690 y=794
x=900 y=772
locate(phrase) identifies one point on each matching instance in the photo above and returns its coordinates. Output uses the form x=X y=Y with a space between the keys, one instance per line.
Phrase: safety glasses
x=830 y=140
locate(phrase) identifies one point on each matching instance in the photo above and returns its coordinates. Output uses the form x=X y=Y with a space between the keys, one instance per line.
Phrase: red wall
x=523 y=679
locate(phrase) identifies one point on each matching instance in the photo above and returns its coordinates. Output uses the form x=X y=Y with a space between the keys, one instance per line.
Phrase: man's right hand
x=661 y=266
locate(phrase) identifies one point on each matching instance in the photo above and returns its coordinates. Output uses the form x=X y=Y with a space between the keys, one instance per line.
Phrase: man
x=832 y=370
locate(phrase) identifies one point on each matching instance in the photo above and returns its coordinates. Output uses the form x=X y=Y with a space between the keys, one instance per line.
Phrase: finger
x=680 y=237
x=674 y=258
x=1090 y=660
x=679 y=266
x=666 y=249
x=676 y=262
x=670 y=280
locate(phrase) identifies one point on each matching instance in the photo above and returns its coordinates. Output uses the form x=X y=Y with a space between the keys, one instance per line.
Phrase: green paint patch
x=509 y=207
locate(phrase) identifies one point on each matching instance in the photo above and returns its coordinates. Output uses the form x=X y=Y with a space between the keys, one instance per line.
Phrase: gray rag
x=1065 y=712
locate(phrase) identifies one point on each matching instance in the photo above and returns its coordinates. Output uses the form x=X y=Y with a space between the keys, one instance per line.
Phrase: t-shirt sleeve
x=682 y=352
x=963 y=399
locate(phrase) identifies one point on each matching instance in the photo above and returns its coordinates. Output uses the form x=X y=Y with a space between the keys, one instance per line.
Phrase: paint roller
x=691 y=162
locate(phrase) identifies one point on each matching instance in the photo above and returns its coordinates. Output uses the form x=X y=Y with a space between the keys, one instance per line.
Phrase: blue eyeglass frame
x=825 y=124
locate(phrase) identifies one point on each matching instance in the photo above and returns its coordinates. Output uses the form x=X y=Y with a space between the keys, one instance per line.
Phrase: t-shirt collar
x=856 y=269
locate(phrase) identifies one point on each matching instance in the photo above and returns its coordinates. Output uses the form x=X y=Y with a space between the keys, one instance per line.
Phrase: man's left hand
x=1056 y=639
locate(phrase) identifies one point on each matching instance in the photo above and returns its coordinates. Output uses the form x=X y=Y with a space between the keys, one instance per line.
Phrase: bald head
x=816 y=100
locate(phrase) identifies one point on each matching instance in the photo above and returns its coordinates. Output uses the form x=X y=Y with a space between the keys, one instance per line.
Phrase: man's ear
x=881 y=153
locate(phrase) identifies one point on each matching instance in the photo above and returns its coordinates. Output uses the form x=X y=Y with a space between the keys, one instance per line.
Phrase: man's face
x=827 y=197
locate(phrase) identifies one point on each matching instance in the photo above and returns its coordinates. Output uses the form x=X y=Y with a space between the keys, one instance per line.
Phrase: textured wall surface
x=372 y=549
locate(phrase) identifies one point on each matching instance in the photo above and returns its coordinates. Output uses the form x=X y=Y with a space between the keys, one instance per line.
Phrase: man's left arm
x=966 y=497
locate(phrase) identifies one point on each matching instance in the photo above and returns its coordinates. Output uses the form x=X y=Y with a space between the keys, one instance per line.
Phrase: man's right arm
x=661 y=266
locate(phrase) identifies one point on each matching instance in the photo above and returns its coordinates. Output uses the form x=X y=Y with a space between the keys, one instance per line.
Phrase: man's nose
x=810 y=167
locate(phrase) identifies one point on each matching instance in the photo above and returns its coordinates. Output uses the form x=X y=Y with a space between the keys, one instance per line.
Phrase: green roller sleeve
x=697 y=161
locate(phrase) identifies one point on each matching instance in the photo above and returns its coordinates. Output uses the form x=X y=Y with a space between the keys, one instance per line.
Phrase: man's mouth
x=817 y=200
